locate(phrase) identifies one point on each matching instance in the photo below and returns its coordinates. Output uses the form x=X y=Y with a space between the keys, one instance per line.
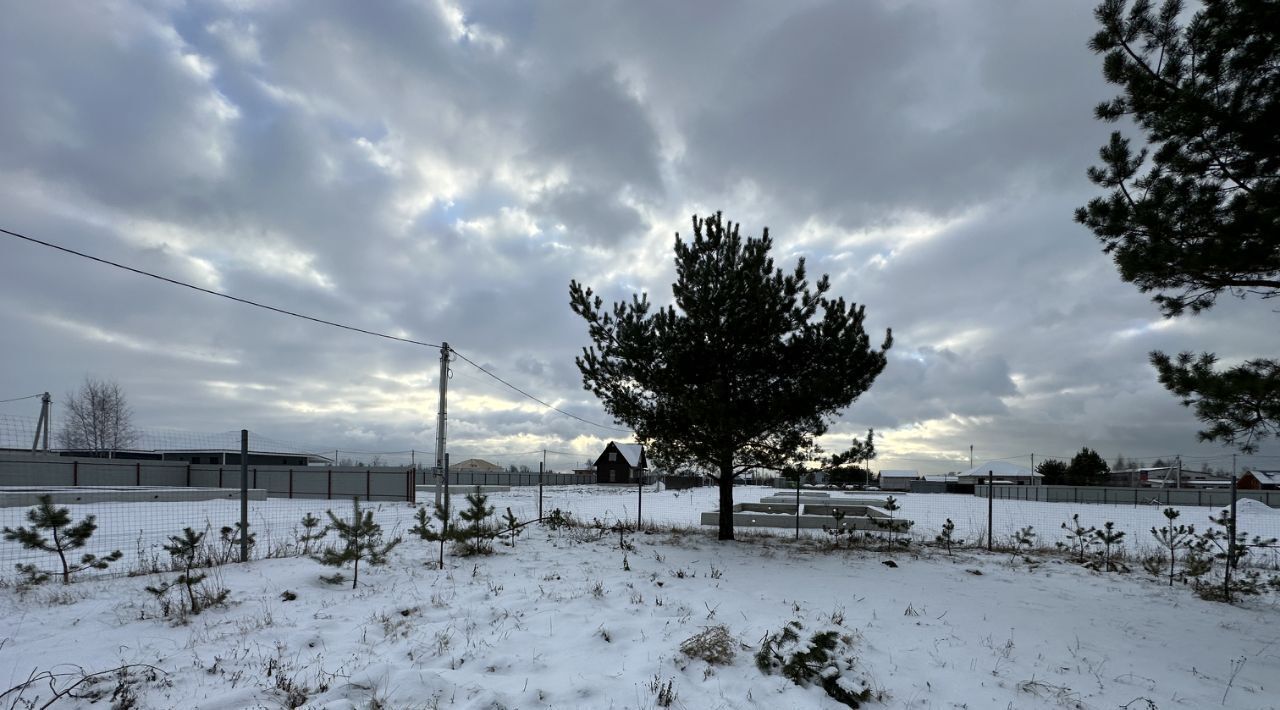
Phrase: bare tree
x=97 y=418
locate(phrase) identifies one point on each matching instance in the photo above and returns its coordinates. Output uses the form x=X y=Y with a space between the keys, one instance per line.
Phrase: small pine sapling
x=65 y=538
x=946 y=538
x=1024 y=540
x=893 y=525
x=837 y=529
x=473 y=538
x=1110 y=541
x=185 y=550
x=1079 y=538
x=824 y=661
x=1231 y=549
x=1173 y=538
x=513 y=527
x=231 y=536
x=312 y=532
x=426 y=533
x=359 y=539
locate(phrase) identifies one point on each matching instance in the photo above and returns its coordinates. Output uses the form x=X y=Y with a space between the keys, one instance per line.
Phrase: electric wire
x=467 y=360
x=219 y=294
x=19 y=399
x=283 y=311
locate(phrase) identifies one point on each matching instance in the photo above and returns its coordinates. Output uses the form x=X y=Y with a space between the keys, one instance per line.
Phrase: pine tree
x=1230 y=549
x=231 y=536
x=892 y=524
x=1079 y=538
x=65 y=538
x=1054 y=472
x=473 y=538
x=1108 y=537
x=947 y=537
x=427 y=533
x=1173 y=538
x=1195 y=214
x=1025 y=538
x=312 y=532
x=744 y=371
x=359 y=539
x=185 y=550
x=513 y=527
x=1087 y=468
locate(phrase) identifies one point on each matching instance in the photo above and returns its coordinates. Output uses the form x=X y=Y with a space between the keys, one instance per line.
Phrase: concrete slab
x=841 y=501
x=460 y=490
x=807 y=522
x=27 y=496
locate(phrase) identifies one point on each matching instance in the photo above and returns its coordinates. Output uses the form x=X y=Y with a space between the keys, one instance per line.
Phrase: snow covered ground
x=558 y=621
x=137 y=529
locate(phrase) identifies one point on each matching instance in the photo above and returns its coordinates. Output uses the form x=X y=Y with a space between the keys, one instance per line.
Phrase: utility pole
x=442 y=419
x=42 y=426
x=970 y=456
x=1177 y=482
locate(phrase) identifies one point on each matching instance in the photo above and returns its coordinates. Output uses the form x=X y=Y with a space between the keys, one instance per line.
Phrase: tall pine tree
x=1195 y=213
x=744 y=371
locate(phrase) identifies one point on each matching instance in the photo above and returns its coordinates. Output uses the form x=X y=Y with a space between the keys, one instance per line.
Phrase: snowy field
x=138 y=529
x=559 y=622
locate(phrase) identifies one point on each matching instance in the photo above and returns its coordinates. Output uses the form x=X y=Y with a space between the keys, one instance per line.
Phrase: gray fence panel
x=1176 y=497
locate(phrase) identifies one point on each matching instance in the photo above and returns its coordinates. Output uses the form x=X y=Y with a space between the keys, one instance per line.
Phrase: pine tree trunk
x=726 y=497
x=66 y=570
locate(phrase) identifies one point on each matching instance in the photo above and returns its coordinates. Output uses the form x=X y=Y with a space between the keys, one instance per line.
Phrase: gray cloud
x=444 y=175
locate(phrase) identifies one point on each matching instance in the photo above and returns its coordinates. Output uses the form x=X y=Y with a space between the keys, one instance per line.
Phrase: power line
x=219 y=294
x=19 y=399
x=467 y=360
x=287 y=312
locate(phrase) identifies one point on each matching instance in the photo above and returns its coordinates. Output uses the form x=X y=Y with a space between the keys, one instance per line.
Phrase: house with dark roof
x=621 y=463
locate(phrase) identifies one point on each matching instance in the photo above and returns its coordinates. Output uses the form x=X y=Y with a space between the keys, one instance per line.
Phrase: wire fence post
x=991 y=491
x=446 y=493
x=640 y=503
x=244 y=495
x=540 y=472
x=797 y=505
x=1231 y=544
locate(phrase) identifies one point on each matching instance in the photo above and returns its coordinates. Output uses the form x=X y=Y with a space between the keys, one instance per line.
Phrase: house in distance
x=621 y=463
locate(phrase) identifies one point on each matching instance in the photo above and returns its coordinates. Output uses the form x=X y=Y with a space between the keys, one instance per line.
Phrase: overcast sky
x=441 y=171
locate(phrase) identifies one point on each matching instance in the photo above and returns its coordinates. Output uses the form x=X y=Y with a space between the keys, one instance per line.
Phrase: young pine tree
x=893 y=525
x=1079 y=538
x=1110 y=539
x=312 y=532
x=359 y=539
x=473 y=538
x=513 y=527
x=65 y=538
x=185 y=551
x=1173 y=538
x=427 y=533
x=230 y=536
x=947 y=537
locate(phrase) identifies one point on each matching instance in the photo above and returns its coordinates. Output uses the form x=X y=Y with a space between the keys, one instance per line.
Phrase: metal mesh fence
x=138 y=504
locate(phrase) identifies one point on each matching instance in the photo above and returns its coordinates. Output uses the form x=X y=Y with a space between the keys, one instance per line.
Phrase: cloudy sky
x=441 y=171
